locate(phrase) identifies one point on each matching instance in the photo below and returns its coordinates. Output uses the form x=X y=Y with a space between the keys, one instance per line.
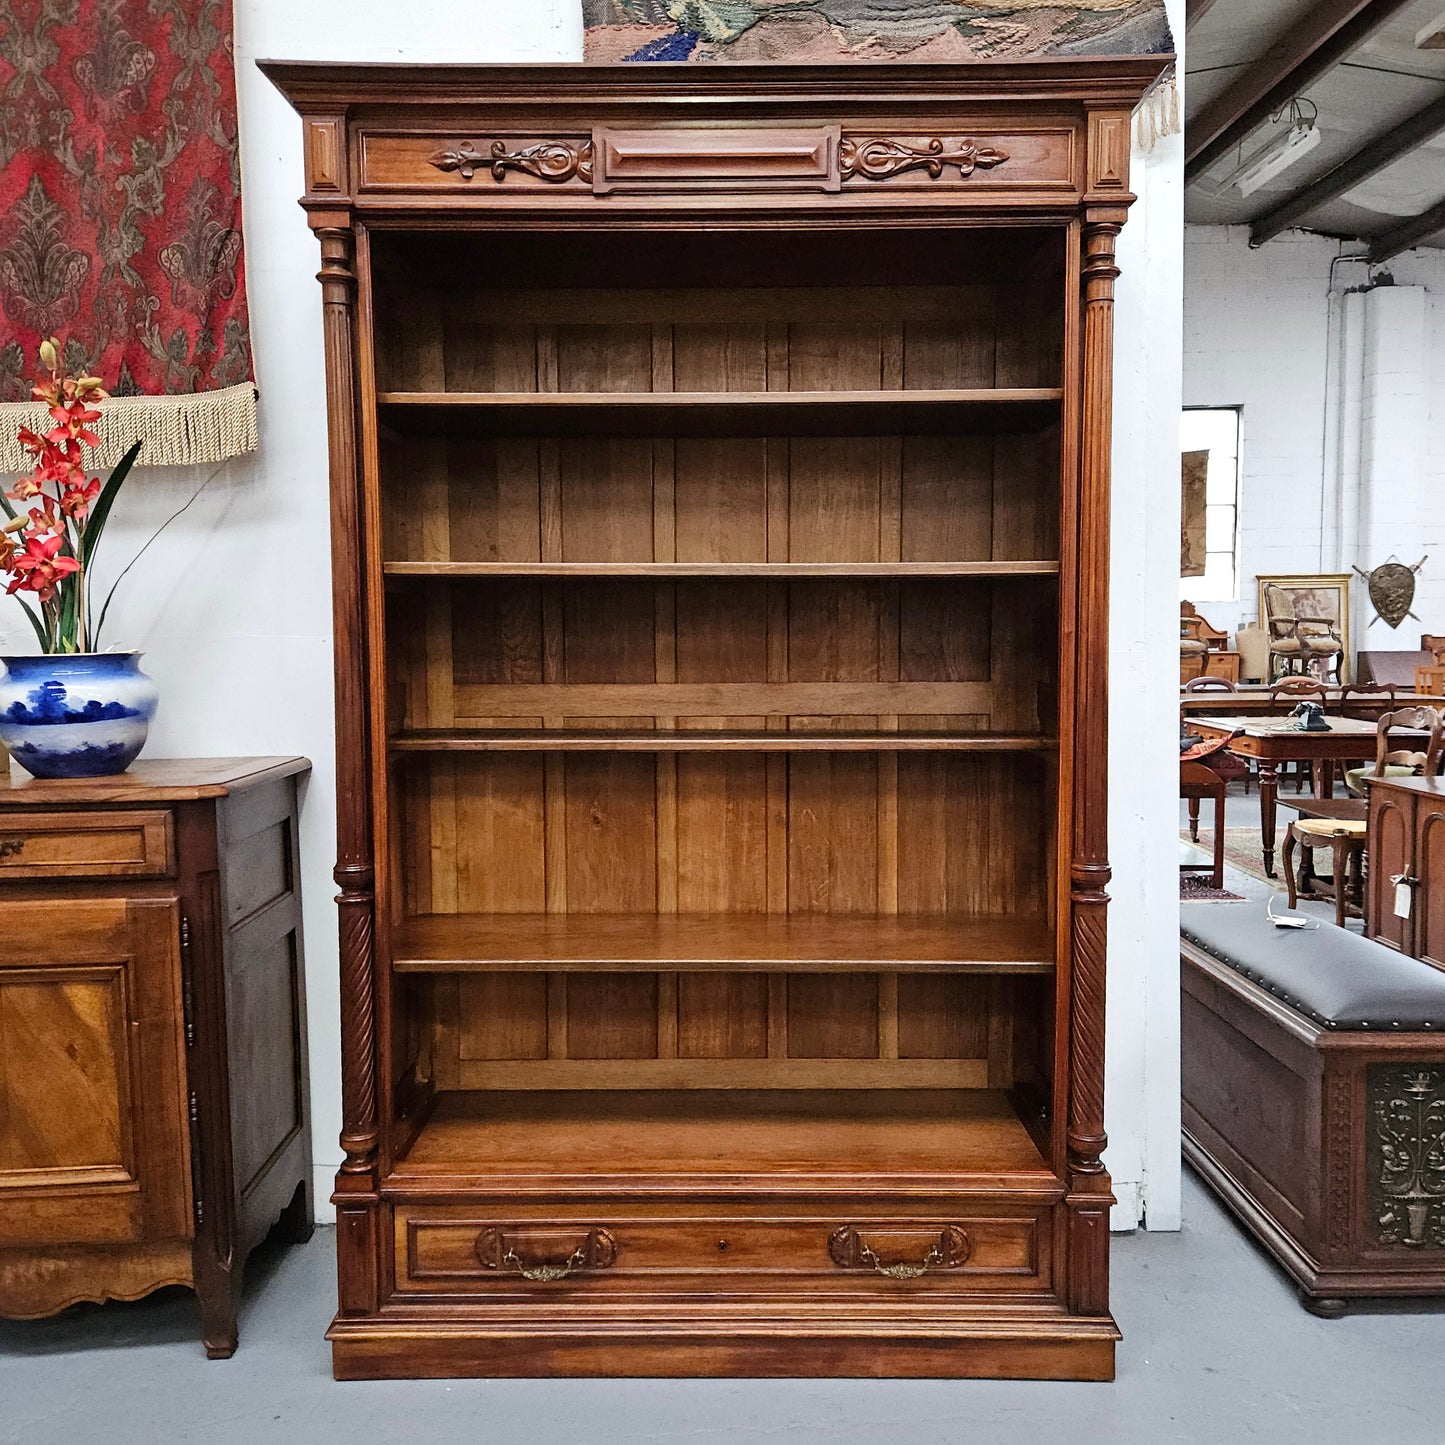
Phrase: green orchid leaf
x=34 y=621
x=100 y=513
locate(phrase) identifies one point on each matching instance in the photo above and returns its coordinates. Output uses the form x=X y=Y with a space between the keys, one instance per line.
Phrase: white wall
x=1344 y=403
x=233 y=605
x=1142 y=1095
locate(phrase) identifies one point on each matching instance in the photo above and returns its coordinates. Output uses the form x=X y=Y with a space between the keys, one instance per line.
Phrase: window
x=1215 y=429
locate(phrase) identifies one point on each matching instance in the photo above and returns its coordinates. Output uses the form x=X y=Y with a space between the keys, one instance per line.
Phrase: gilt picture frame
x=1323 y=595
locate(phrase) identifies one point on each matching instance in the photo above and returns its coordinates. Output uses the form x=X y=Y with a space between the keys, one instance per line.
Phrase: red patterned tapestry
x=120 y=218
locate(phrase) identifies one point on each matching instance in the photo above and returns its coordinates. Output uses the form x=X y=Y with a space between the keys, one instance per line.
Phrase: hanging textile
x=819 y=31
x=120 y=221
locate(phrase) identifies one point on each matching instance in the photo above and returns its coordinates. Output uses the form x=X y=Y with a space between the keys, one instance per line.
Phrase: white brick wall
x=1257 y=335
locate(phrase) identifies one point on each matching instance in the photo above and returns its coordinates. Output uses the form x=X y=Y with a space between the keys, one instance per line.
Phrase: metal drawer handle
x=11 y=847
x=496 y=1250
x=849 y=1250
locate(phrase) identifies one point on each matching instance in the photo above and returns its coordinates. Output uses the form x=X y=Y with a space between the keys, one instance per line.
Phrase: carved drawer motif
x=454 y=1249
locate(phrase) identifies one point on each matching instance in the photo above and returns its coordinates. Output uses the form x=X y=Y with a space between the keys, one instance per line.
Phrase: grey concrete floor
x=1216 y=1349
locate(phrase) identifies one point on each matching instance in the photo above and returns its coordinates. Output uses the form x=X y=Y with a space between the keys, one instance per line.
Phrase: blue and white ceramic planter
x=78 y=715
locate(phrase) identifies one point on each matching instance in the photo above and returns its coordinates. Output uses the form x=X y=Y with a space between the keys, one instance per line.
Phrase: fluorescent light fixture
x=1275 y=158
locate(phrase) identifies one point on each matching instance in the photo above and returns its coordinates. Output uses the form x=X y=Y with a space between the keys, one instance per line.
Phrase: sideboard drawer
x=126 y=844
x=453 y=1249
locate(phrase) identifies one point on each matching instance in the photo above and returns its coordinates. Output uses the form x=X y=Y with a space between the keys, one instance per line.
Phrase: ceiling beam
x=1329 y=31
x=1195 y=11
x=1373 y=156
x=1408 y=233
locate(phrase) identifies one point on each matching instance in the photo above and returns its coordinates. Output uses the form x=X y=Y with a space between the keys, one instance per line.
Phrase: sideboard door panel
x=93 y=1114
x=1392 y=854
x=1430 y=890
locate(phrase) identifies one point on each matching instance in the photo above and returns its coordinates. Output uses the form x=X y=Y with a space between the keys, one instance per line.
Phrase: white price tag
x=1404 y=899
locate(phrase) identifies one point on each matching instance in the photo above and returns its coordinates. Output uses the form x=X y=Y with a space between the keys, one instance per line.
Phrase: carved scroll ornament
x=881 y=157
x=548 y=160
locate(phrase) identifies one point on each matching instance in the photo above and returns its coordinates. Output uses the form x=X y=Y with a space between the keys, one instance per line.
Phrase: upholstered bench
x=1314 y=1099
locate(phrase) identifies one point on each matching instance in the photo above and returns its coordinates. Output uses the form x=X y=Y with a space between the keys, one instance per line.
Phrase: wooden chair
x=1346 y=841
x=1341 y=824
x=1198 y=781
x=1367 y=692
x=1285 y=693
x=1203 y=648
x=1284 y=697
x=1193 y=647
x=1299 y=644
x=1402 y=762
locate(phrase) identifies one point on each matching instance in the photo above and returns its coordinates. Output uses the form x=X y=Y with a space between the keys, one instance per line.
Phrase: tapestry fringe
x=174 y=431
x=1157 y=114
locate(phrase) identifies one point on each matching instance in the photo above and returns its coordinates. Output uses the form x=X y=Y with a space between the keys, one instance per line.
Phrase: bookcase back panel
x=813 y=654
x=743 y=833
x=726 y=1030
x=723 y=499
x=820 y=312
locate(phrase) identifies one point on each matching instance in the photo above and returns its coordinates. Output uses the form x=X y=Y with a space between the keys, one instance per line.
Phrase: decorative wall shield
x=1392 y=589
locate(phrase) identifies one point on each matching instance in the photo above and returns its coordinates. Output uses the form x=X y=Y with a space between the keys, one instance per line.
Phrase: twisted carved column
x=1089 y=1188
x=354 y=874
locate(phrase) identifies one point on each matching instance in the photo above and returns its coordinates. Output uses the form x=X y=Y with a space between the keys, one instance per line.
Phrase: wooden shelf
x=736 y=413
x=780 y=570
x=686 y=740
x=736 y=942
x=971 y=1136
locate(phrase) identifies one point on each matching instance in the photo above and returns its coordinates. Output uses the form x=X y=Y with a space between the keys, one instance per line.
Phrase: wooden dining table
x=1270 y=741
x=1257 y=700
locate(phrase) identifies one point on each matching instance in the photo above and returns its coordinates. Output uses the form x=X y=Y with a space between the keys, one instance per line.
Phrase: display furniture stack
x=720 y=499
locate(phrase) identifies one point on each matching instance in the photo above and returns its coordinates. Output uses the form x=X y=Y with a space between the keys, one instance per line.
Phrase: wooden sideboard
x=720 y=499
x=1407 y=842
x=153 y=1087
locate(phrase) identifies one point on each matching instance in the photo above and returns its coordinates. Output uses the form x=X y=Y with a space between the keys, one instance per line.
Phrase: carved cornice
x=548 y=160
x=881 y=157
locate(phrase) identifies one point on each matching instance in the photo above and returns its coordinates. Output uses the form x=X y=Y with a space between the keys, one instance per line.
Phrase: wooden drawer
x=126 y=844
x=447 y=1250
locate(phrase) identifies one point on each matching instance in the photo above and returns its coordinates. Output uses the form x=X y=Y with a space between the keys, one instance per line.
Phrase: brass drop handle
x=949 y=1249
x=507 y=1251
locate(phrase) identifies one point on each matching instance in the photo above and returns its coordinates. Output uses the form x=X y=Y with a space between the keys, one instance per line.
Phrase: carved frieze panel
x=1405 y=1185
x=547 y=160
x=879 y=158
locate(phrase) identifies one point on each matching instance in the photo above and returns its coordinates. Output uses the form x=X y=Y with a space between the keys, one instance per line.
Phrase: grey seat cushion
x=1337 y=978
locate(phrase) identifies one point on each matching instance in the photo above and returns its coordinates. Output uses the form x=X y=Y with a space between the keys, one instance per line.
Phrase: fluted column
x=354 y=872
x=1089 y=1190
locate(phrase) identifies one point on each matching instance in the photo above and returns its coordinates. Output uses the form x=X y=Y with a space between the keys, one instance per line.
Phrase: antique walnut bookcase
x=720 y=483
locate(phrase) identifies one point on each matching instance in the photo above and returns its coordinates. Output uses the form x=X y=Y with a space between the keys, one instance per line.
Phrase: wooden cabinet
x=153 y=1111
x=1407 y=843
x=719 y=467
